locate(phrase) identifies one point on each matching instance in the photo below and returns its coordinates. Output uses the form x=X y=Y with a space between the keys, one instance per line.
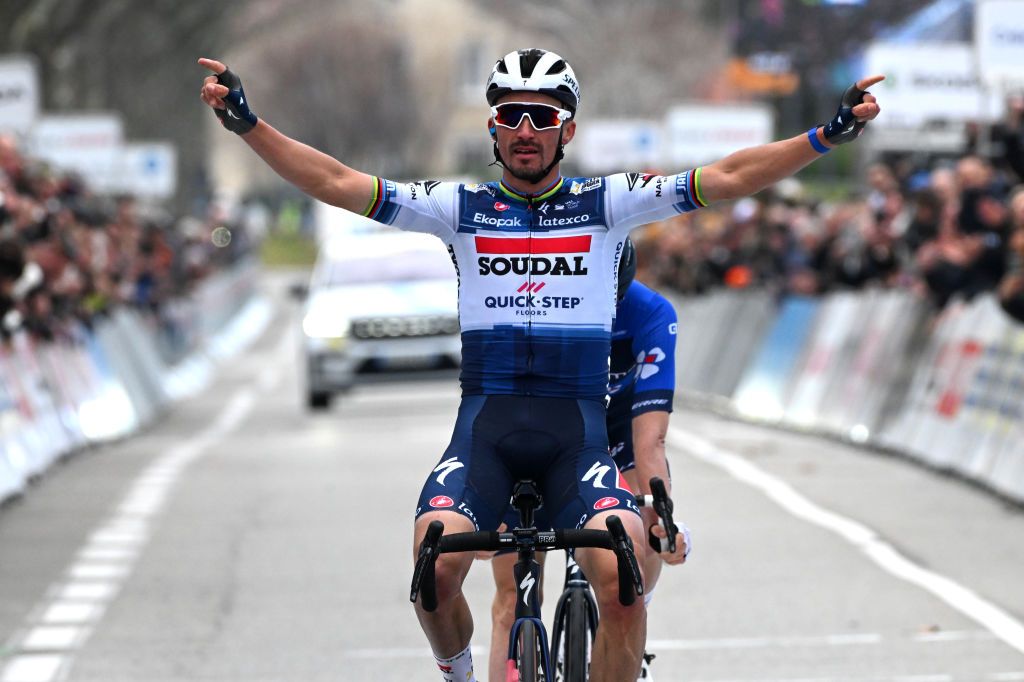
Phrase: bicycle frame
x=527 y=577
x=526 y=540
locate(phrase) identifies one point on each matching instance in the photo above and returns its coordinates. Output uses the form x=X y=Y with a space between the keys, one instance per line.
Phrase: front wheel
x=528 y=658
x=574 y=628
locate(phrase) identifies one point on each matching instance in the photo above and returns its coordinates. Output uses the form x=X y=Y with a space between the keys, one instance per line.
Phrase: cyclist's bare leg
x=622 y=630
x=503 y=609
x=648 y=558
x=450 y=627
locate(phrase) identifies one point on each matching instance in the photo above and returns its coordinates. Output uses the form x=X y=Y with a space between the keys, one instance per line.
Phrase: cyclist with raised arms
x=641 y=388
x=536 y=256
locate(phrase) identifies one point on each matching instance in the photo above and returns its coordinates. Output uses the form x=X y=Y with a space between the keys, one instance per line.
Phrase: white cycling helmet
x=534 y=70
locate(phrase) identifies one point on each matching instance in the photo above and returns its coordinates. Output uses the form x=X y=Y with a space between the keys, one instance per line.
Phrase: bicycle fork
x=528 y=578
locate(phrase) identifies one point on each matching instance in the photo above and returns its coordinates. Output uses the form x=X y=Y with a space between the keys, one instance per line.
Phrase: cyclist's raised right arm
x=320 y=176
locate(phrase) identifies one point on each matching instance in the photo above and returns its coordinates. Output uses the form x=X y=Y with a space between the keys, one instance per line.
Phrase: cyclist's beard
x=529 y=175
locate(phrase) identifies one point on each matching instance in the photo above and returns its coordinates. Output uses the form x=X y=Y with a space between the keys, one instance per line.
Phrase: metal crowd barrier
x=59 y=397
x=877 y=367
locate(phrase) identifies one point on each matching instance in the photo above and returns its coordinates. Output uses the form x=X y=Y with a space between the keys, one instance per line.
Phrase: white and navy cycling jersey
x=537 y=274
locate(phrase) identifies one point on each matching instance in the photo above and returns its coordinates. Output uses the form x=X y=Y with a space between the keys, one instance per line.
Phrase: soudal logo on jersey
x=499 y=255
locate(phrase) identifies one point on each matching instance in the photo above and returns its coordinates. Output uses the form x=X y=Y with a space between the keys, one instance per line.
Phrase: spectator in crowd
x=1011 y=288
x=944 y=229
x=67 y=256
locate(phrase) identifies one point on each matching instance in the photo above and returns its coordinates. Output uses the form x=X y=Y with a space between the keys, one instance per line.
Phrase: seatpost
x=526 y=499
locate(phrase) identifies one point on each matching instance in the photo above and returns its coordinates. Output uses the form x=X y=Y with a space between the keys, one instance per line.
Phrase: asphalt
x=279 y=548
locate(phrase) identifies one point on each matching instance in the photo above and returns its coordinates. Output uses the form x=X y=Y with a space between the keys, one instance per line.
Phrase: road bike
x=529 y=658
x=576 y=614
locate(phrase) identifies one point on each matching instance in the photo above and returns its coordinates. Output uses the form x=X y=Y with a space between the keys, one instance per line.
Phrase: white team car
x=378 y=299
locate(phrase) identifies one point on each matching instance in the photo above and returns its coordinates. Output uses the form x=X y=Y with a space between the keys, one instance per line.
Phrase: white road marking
x=88 y=591
x=108 y=557
x=988 y=615
x=33 y=668
x=50 y=638
x=69 y=612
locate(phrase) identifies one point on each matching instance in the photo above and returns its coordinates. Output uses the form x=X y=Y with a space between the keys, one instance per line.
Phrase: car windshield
x=408 y=266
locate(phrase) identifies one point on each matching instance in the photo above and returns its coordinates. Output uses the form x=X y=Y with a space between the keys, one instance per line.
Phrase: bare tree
x=341 y=84
x=632 y=59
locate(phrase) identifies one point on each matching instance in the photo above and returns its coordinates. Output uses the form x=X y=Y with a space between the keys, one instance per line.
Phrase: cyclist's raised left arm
x=636 y=199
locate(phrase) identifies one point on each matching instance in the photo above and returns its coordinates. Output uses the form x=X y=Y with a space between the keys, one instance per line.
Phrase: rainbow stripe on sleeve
x=693 y=187
x=376 y=200
x=688 y=191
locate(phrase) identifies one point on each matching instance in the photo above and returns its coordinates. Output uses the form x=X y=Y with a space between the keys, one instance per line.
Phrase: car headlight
x=325 y=326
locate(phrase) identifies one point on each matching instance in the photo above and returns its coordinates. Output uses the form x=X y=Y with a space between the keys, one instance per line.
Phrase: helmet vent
x=501 y=66
x=557 y=67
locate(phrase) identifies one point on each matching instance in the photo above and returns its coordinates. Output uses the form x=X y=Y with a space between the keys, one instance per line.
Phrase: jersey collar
x=546 y=193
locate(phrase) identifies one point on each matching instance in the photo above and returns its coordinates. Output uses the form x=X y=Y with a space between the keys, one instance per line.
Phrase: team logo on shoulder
x=585 y=186
x=477 y=187
x=427 y=185
x=643 y=179
x=647 y=360
x=606 y=503
x=441 y=501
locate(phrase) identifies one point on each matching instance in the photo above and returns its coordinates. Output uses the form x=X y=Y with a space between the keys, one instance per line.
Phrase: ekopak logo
x=442 y=501
x=606 y=503
x=501 y=206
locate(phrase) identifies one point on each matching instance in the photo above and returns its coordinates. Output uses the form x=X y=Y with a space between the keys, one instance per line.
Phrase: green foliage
x=287 y=249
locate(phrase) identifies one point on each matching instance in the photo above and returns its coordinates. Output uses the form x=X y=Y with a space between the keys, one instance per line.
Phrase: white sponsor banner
x=87 y=144
x=19 y=93
x=999 y=42
x=699 y=133
x=927 y=82
x=612 y=145
x=144 y=169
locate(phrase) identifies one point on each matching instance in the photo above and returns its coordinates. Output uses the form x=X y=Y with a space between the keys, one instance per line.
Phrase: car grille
x=404 y=327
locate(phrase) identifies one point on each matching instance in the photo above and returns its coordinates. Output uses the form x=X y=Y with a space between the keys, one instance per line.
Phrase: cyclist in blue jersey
x=641 y=388
x=536 y=255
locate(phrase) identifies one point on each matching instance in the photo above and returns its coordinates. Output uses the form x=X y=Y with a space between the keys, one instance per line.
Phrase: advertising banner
x=87 y=144
x=612 y=146
x=699 y=133
x=928 y=82
x=762 y=388
x=999 y=42
x=19 y=93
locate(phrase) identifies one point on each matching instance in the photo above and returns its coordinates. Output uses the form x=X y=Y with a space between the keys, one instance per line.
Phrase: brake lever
x=663 y=506
x=423 y=574
x=631 y=582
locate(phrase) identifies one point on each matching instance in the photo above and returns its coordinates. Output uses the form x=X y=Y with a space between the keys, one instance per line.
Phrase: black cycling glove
x=236 y=115
x=845 y=127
